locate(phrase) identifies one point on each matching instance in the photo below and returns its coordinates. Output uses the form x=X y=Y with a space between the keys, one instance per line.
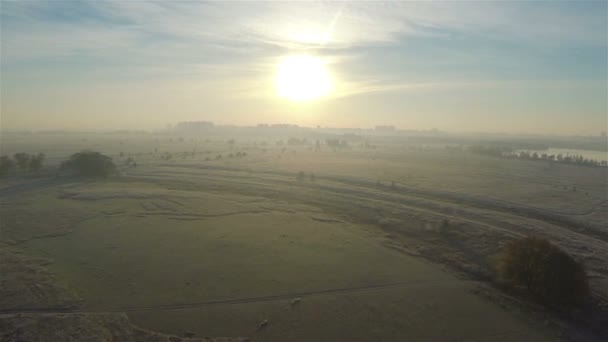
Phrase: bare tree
x=22 y=160
x=36 y=162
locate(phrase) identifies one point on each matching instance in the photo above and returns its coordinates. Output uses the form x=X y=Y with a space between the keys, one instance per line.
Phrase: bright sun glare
x=303 y=78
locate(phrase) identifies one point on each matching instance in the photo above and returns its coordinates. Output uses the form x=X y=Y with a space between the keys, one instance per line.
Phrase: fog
x=303 y=171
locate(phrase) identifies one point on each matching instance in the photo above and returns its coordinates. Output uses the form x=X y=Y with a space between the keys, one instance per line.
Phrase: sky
x=493 y=66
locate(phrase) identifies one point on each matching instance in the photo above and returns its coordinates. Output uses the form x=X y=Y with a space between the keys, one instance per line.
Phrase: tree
x=36 y=162
x=90 y=164
x=22 y=160
x=545 y=270
x=6 y=164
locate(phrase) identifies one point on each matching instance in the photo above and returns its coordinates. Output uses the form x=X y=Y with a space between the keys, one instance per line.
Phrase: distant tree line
x=296 y=142
x=21 y=162
x=491 y=150
x=501 y=151
x=336 y=143
x=302 y=176
x=85 y=163
x=237 y=155
x=561 y=158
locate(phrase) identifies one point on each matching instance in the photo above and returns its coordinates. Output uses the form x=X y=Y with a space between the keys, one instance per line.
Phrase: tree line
x=21 y=162
x=501 y=151
x=560 y=158
x=84 y=164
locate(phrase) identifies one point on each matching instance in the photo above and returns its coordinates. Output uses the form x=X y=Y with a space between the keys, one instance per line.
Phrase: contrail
x=330 y=28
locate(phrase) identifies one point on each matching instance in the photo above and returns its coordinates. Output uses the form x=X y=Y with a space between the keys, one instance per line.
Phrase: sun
x=303 y=78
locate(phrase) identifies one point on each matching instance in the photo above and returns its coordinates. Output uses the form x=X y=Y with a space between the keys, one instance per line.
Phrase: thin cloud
x=293 y=26
x=209 y=49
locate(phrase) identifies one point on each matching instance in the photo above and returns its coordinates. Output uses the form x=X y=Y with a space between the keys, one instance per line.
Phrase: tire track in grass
x=338 y=291
x=259 y=299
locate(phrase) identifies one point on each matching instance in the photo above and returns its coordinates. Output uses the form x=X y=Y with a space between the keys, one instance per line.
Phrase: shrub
x=444 y=226
x=36 y=162
x=90 y=164
x=6 y=164
x=22 y=160
x=545 y=270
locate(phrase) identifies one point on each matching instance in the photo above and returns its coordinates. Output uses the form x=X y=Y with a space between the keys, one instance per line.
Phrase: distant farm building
x=193 y=126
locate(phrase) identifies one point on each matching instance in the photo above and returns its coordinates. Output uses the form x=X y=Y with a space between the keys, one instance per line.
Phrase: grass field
x=356 y=252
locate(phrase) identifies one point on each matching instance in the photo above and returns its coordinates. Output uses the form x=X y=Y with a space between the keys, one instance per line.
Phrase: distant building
x=193 y=126
x=277 y=126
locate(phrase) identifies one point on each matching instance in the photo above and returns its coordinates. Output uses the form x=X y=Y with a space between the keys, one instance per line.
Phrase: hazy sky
x=507 y=66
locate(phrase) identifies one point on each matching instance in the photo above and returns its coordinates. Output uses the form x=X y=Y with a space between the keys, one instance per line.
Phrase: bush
x=36 y=162
x=90 y=164
x=545 y=270
x=22 y=160
x=6 y=164
x=301 y=175
x=444 y=227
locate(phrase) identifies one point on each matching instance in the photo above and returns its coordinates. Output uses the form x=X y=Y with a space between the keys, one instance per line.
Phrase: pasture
x=330 y=244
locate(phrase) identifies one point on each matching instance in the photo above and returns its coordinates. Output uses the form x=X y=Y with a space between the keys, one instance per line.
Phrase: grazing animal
x=262 y=325
x=295 y=301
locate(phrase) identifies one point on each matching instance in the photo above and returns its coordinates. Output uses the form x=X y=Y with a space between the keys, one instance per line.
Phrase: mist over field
x=308 y=171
